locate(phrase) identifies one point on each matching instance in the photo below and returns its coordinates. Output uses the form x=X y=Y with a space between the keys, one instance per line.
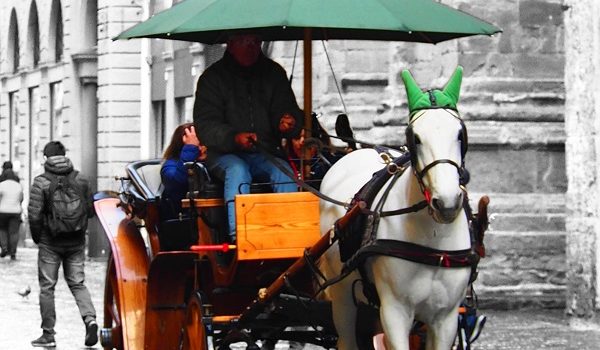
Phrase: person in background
x=61 y=241
x=316 y=152
x=11 y=197
x=242 y=100
x=184 y=147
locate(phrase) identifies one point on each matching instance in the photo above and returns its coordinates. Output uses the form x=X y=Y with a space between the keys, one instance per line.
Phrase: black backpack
x=66 y=204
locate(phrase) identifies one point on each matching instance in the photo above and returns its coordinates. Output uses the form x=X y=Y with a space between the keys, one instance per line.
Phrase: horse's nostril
x=437 y=203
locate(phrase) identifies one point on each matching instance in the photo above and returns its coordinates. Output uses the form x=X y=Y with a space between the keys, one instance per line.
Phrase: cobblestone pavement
x=20 y=318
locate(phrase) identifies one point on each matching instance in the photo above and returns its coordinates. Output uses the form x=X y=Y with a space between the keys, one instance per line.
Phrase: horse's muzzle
x=445 y=211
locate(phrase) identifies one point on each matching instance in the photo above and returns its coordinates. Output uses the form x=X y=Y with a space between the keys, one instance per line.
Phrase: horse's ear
x=413 y=91
x=452 y=88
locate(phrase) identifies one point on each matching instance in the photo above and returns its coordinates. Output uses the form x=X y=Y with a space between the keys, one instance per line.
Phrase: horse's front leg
x=442 y=332
x=396 y=321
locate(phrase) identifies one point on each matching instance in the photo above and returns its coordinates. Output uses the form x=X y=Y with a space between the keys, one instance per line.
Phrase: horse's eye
x=417 y=140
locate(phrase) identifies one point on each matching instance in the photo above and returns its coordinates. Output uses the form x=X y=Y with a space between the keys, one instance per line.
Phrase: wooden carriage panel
x=170 y=282
x=131 y=269
x=276 y=225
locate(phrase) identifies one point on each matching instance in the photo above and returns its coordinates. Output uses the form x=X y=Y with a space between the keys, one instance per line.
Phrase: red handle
x=225 y=247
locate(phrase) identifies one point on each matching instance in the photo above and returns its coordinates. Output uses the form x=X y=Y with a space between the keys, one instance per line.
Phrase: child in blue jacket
x=184 y=147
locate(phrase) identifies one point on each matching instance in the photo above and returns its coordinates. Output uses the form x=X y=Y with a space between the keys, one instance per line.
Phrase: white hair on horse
x=407 y=290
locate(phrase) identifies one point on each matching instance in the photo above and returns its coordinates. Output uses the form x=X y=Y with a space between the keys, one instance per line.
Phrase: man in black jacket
x=55 y=248
x=242 y=99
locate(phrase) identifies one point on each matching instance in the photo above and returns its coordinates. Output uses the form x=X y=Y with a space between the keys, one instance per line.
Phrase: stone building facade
x=113 y=102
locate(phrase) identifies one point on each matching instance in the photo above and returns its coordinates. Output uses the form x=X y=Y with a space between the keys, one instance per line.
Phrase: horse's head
x=437 y=140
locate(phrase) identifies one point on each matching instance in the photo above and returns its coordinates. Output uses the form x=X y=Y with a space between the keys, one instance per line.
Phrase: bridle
x=412 y=140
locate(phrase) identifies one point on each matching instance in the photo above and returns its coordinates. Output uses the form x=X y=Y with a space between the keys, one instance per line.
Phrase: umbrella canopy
x=210 y=21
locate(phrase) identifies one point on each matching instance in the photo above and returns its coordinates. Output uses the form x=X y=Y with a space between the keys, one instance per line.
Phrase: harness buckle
x=387 y=159
x=332 y=234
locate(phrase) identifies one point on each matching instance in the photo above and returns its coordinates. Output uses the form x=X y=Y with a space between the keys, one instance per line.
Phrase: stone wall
x=46 y=86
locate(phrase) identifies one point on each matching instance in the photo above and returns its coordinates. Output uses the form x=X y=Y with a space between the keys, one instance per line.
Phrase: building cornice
x=86 y=66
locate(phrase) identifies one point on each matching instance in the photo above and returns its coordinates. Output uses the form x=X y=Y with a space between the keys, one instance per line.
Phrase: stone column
x=118 y=91
x=86 y=68
x=582 y=123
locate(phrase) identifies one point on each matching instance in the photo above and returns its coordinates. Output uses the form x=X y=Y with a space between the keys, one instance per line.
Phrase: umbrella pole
x=307 y=81
x=307 y=90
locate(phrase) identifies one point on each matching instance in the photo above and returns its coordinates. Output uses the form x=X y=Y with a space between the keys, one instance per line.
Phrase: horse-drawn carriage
x=388 y=244
x=190 y=297
x=405 y=230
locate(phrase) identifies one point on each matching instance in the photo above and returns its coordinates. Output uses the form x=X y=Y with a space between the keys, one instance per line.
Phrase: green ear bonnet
x=446 y=98
x=430 y=99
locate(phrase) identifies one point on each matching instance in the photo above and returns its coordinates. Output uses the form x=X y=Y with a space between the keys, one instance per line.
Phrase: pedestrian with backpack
x=60 y=204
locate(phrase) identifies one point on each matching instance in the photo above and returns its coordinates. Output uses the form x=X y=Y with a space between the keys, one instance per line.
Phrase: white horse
x=408 y=290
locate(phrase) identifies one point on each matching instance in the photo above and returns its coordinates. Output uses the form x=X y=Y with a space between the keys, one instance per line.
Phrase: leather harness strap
x=413 y=252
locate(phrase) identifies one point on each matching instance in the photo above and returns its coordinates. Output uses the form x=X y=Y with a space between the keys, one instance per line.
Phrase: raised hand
x=190 y=138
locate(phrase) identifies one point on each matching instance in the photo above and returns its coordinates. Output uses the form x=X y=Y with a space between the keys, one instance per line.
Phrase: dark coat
x=37 y=210
x=231 y=99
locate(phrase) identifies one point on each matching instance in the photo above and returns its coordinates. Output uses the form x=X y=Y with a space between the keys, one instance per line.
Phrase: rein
x=265 y=151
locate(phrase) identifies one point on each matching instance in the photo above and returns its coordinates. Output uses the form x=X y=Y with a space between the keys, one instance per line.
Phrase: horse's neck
x=420 y=227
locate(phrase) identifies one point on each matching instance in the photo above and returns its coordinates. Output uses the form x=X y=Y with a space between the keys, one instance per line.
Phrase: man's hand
x=245 y=139
x=287 y=123
x=203 y=152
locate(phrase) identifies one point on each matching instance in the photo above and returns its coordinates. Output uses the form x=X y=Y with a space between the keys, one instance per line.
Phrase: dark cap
x=7 y=165
x=54 y=148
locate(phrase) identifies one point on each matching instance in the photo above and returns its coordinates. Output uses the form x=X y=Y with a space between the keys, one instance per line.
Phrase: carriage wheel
x=194 y=333
x=111 y=334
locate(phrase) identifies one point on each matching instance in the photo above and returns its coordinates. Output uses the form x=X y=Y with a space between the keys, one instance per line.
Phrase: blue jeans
x=73 y=259
x=240 y=169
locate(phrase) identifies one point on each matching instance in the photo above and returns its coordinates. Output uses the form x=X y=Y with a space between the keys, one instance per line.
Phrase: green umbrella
x=210 y=22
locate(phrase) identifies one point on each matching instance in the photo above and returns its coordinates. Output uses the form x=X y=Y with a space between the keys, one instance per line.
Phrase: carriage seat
x=145 y=175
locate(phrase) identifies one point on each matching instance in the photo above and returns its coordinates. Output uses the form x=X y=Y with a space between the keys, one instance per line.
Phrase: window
x=56 y=31
x=56 y=106
x=38 y=132
x=13 y=117
x=158 y=128
x=33 y=35
x=13 y=43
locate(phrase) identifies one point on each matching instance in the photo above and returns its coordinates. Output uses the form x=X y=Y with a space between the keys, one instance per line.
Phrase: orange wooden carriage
x=215 y=294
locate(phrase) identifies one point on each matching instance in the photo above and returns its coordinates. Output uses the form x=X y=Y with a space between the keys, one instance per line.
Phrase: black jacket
x=37 y=209
x=231 y=99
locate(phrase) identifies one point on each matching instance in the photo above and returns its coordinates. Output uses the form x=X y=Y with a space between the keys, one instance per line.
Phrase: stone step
x=524 y=212
x=522 y=202
x=525 y=268
x=527 y=222
x=520 y=297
